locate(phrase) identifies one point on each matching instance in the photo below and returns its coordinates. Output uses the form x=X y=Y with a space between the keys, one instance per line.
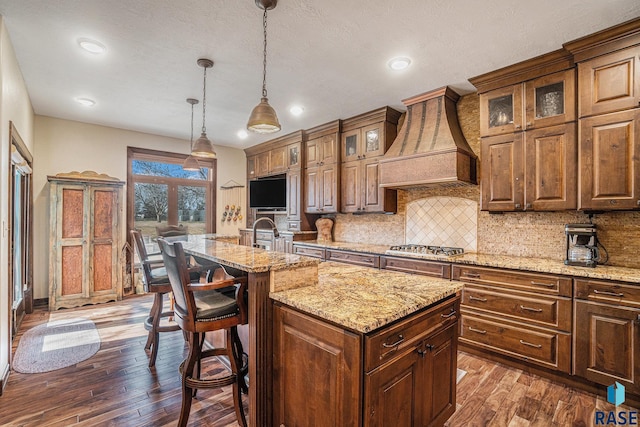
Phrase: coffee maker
x=582 y=245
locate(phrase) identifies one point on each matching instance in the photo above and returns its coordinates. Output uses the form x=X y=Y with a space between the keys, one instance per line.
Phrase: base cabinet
x=401 y=375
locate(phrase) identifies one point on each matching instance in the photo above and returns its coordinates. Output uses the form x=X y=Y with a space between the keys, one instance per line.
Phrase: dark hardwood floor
x=116 y=388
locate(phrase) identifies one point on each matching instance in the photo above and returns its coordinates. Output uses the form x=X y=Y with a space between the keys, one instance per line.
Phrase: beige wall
x=15 y=107
x=65 y=146
x=535 y=234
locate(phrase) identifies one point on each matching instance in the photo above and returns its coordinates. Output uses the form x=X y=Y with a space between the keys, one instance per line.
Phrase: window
x=160 y=192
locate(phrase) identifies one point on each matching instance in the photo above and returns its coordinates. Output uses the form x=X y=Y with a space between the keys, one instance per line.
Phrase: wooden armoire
x=85 y=239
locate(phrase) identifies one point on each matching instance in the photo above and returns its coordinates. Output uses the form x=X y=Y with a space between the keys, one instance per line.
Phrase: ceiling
x=329 y=56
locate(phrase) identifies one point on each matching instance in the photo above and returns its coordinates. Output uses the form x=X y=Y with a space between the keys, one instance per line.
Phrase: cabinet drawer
x=541 y=310
x=416 y=266
x=384 y=345
x=308 y=251
x=264 y=235
x=550 y=349
x=293 y=225
x=612 y=292
x=530 y=282
x=366 y=260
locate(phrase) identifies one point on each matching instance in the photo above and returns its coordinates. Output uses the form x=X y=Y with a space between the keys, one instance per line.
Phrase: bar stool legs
x=152 y=324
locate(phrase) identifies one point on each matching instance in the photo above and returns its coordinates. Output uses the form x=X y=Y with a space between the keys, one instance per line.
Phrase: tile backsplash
x=443 y=221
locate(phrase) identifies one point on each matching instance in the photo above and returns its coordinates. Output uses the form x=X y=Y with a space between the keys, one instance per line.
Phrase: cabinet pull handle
x=528 y=206
x=536 y=310
x=395 y=344
x=446 y=316
x=518 y=205
x=611 y=294
x=480 y=331
x=548 y=285
x=471 y=275
x=472 y=298
x=530 y=344
x=517 y=126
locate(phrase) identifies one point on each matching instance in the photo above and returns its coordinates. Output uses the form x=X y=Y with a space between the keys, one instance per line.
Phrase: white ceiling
x=328 y=55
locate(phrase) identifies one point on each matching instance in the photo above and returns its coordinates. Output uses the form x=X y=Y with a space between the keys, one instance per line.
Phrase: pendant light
x=203 y=147
x=263 y=118
x=191 y=163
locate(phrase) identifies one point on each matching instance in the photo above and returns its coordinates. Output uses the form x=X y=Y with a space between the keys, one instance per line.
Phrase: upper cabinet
x=364 y=140
x=527 y=123
x=609 y=134
x=322 y=174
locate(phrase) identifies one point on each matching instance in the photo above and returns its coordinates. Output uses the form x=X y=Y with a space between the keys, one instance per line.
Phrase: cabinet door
x=328 y=191
x=501 y=111
x=606 y=344
x=439 y=377
x=374 y=198
x=373 y=141
x=350 y=145
x=312 y=152
x=294 y=192
x=311 y=188
x=317 y=372
x=501 y=183
x=329 y=150
x=610 y=82
x=104 y=255
x=263 y=166
x=550 y=100
x=278 y=160
x=351 y=187
x=251 y=167
x=293 y=156
x=393 y=393
x=610 y=161
x=551 y=163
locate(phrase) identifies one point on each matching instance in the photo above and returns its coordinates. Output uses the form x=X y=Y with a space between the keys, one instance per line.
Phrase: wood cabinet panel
x=366 y=260
x=263 y=164
x=609 y=82
x=251 y=167
x=102 y=267
x=610 y=161
x=534 y=309
x=329 y=189
x=71 y=266
x=314 y=252
x=103 y=214
x=311 y=188
x=312 y=152
x=502 y=179
x=294 y=193
x=538 y=283
x=501 y=111
x=550 y=100
x=608 y=292
x=548 y=348
x=317 y=372
x=416 y=266
x=72 y=213
x=551 y=167
x=606 y=344
x=441 y=374
x=278 y=160
x=351 y=187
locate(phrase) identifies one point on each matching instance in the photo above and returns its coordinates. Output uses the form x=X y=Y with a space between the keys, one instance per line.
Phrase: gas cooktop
x=426 y=249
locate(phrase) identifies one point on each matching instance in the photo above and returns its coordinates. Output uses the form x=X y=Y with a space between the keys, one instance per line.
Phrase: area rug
x=56 y=345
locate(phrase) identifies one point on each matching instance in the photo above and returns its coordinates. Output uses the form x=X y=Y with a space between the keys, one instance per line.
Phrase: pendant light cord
x=191 y=140
x=204 y=99
x=264 y=55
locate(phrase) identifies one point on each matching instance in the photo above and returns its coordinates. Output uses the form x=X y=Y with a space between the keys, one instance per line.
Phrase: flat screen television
x=268 y=194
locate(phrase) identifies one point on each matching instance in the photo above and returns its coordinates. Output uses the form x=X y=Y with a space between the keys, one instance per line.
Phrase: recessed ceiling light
x=296 y=110
x=92 y=46
x=86 y=102
x=243 y=134
x=399 y=63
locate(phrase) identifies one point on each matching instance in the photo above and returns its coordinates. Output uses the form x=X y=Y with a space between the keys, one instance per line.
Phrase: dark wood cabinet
x=607 y=333
x=246 y=237
x=322 y=173
x=416 y=266
x=263 y=164
x=502 y=178
x=294 y=193
x=312 y=251
x=610 y=161
x=523 y=316
x=501 y=111
x=321 y=377
x=364 y=140
x=317 y=372
x=278 y=162
x=251 y=167
x=350 y=257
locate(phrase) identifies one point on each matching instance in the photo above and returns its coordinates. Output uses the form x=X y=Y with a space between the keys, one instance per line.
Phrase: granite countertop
x=364 y=299
x=539 y=265
x=244 y=258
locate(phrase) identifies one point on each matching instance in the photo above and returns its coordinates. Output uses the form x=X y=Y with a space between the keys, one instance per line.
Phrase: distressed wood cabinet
x=322 y=172
x=85 y=239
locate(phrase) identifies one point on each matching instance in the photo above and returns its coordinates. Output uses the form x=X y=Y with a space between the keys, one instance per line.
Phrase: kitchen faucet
x=273 y=227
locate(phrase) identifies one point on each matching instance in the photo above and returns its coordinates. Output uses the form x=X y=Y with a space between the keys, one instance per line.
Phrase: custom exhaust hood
x=430 y=149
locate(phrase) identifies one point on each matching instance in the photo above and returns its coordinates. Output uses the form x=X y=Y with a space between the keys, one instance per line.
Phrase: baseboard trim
x=4 y=379
x=41 y=302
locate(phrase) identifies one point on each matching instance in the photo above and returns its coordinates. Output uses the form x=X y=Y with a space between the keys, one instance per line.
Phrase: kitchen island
x=384 y=310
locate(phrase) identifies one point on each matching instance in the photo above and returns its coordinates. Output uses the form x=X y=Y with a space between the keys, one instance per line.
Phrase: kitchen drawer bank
x=379 y=341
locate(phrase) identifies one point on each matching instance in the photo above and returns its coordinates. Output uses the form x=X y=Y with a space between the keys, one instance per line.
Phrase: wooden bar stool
x=201 y=308
x=155 y=281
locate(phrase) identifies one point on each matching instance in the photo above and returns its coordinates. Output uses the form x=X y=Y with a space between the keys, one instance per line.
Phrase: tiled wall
x=535 y=234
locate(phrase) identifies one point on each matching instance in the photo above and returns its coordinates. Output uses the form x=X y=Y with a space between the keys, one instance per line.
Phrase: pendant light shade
x=203 y=146
x=191 y=163
x=263 y=118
